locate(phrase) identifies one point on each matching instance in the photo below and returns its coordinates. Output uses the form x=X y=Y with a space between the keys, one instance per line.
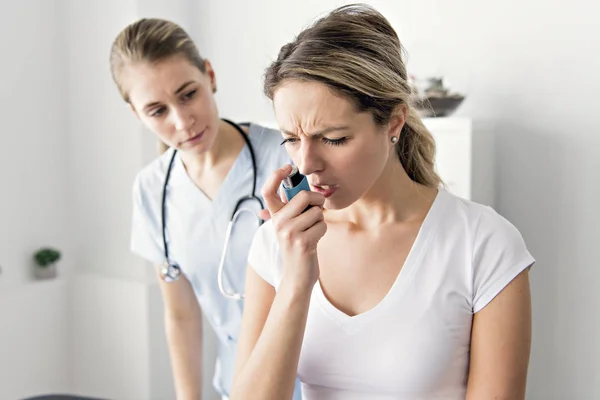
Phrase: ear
x=210 y=72
x=398 y=120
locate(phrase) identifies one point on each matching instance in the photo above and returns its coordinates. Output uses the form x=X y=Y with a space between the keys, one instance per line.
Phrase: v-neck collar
x=351 y=324
x=235 y=171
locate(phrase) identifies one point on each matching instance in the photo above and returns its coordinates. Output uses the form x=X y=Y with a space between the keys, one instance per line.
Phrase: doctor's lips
x=194 y=138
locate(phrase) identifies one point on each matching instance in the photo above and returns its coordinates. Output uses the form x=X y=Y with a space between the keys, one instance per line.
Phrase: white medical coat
x=196 y=228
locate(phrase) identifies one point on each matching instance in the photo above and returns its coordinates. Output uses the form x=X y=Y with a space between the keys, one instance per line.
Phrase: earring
x=394 y=139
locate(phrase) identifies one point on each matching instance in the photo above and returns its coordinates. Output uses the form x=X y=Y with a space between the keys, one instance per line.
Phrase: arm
x=274 y=322
x=258 y=302
x=183 y=324
x=270 y=340
x=500 y=344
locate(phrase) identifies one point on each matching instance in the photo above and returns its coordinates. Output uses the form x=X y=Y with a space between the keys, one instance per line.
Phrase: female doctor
x=183 y=201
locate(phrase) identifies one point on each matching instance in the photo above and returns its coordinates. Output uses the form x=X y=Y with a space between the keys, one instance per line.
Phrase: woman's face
x=342 y=152
x=174 y=99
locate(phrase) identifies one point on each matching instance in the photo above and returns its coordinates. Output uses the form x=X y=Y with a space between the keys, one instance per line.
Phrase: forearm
x=271 y=369
x=184 y=337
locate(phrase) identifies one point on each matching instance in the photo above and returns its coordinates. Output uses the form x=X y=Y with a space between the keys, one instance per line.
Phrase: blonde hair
x=355 y=51
x=150 y=40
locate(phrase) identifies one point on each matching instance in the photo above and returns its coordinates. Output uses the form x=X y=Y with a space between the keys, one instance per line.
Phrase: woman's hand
x=298 y=232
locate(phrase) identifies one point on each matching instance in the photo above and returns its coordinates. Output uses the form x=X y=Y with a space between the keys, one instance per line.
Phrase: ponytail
x=416 y=151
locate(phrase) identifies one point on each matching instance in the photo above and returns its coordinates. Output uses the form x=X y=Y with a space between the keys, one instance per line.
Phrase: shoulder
x=476 y=221
x=498 y=247
x=498 y=252
x=152 y=175
x=263 y=134
x=267 y=234
x=148 y=183
x=146 y=226
x=267 y=146
x=493 y=226
x=263 y=256
x=489 y=230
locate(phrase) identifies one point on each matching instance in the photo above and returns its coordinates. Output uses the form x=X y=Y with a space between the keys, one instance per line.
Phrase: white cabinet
x=464 y=157
x=453 y=152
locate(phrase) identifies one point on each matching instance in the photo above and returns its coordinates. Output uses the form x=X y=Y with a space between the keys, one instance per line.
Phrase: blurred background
x=524 y=140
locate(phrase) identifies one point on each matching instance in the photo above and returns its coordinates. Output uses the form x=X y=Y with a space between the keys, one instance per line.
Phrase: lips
x=196 y=137
x=325 y=190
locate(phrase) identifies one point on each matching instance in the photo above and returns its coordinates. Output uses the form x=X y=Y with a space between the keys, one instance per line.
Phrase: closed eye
x=335 y=142
x=158 y=112
x=331 y=142
x=189 y=94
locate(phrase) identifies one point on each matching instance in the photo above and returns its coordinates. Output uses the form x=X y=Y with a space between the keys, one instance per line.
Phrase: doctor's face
x=174 y=99
x=342 y=151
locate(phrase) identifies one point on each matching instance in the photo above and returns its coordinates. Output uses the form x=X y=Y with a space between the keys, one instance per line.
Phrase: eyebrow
x=322 y=132
x=179 y=90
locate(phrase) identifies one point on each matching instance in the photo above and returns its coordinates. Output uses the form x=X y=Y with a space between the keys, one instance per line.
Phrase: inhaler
x=294 y=183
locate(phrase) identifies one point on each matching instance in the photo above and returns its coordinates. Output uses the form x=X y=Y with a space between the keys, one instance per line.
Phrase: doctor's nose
x=182 y=119
x=310 y=160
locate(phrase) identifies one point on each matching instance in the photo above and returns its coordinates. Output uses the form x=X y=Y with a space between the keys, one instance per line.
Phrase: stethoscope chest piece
x=170 y=272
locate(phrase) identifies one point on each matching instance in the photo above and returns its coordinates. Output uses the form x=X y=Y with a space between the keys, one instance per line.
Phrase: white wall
x=33 y=199
x=110 y=341
x=33 y=340
x=530 y=72
x=33 y=155
x=104 y=141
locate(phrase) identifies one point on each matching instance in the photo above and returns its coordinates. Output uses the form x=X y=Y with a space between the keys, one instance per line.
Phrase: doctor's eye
x=158 y=112
x=289 y=140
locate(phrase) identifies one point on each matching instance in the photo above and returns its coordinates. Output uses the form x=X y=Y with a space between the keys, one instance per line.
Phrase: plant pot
x=47 y=272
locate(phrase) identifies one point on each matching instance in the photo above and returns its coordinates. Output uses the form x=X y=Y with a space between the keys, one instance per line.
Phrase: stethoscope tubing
x=171 y=271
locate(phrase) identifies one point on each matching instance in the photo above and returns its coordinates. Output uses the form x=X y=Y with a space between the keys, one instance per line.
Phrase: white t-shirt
x=196 y=229
x=415 y=343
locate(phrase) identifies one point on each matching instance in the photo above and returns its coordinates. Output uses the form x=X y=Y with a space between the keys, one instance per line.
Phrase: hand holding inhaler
x=299 y=223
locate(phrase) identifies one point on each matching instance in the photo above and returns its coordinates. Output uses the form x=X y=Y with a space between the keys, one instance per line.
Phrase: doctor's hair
x=150 y=40
x=355 y=52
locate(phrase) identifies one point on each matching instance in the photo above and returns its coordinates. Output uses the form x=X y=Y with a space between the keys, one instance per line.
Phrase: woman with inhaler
x=388 y=286
x=183 y=200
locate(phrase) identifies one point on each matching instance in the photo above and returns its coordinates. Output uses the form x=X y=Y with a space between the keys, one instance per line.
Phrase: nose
x=310 y=160
x=182 y=118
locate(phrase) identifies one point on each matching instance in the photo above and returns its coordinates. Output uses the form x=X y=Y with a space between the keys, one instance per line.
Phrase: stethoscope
x=171 y=271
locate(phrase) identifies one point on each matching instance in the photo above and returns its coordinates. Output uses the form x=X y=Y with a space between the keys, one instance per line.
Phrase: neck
x=393 y=198
x=227 y=143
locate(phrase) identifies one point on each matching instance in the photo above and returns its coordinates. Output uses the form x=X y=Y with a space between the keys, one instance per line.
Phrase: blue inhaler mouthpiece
x=294 y=183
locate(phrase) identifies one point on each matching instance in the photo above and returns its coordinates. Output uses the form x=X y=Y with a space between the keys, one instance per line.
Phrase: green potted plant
x=45 y=260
